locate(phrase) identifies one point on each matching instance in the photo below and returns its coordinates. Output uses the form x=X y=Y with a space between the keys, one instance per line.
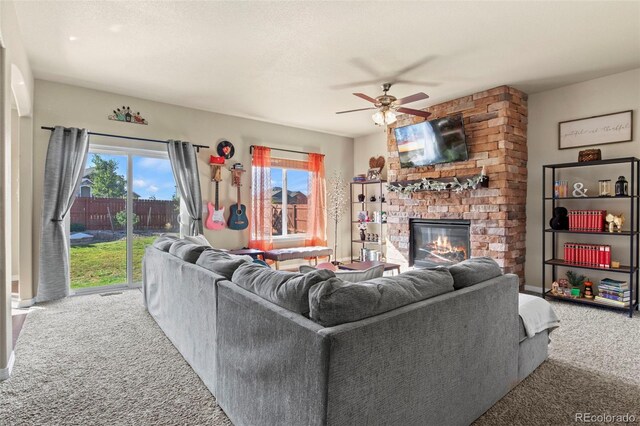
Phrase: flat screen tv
x=432 y=142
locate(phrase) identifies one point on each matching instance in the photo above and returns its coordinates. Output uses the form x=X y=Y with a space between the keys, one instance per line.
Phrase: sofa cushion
x=164 y=242
x=197 y=239
x=289 y=290
x=473 y=271
x=351 y=276
x=335 y=301
x=187 y=251
x=222 y=263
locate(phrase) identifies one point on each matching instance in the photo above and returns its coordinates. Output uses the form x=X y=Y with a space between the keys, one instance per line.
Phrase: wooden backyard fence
x=100 y=213
x=296 y=218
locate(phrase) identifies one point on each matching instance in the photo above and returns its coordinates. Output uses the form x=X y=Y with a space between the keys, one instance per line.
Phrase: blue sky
x=297 y=180
x=151 y=176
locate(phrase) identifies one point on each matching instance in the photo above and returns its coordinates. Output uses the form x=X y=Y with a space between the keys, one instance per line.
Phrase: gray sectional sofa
x=443 y=360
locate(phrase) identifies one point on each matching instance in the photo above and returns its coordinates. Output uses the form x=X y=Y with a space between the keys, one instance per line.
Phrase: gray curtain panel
x=185 y=171
x=64 y=167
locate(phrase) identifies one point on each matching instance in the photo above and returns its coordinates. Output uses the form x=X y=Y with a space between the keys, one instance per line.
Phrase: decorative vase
x=361 y=198
x=622 y=187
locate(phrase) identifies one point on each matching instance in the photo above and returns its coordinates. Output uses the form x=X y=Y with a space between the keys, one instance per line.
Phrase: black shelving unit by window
x=630 y=164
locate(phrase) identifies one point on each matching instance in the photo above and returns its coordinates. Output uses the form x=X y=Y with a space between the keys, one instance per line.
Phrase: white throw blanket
x=537 y=314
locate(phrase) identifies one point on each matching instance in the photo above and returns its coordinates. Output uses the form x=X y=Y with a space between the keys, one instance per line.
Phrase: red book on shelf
x=601 y=257
x=607 y=257
x=570 y=257
x=579 y=254
x=594 y=255
x=572 y=220
x=570 y=216
x=580 y=220
x=594 y=220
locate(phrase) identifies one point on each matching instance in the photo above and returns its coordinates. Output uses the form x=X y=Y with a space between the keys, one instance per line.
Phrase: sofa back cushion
x=351 y=276
x=335 y=301
x=289 y=290
x=186 y=251
x=197 y=239
x=473 y=271
x=164 y=242
x=222 y=263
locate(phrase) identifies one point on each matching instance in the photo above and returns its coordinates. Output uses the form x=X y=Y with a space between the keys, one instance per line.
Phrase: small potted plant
x=577 y=283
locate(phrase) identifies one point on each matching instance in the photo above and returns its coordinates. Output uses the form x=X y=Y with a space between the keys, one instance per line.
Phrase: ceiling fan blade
x=418 y=83
x=375 y=82
x=366 y=98
x=364 y=66
x=411 y=111
x=413 y=66
x=413 y=98
x=354 y=110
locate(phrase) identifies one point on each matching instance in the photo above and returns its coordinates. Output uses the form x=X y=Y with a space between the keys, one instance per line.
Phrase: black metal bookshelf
x=379 y=188
x=633 y=233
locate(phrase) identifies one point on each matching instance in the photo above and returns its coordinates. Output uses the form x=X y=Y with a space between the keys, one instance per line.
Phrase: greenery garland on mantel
x=424 y=184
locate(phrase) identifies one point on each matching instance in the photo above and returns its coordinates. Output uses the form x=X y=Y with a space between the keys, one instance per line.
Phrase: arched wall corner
x=20 y=92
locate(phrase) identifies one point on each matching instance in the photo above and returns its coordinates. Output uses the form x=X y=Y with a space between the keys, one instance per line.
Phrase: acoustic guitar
x=238 y=212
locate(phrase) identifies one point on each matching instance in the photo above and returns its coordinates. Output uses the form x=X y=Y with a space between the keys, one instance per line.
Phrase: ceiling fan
x=387 y=105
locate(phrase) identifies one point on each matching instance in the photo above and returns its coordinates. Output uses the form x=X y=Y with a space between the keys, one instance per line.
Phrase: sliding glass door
x=156 y=206
x=125 y=200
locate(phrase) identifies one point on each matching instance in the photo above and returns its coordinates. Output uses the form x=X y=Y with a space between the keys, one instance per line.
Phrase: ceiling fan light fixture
x=384 y=118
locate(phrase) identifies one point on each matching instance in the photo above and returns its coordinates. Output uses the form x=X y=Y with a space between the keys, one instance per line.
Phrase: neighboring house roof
x=293 y=197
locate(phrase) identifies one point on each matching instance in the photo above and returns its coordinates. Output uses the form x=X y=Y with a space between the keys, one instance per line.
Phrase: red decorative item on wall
x=216 y=160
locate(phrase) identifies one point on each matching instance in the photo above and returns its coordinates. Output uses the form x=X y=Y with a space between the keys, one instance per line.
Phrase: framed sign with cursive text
x=596 y=130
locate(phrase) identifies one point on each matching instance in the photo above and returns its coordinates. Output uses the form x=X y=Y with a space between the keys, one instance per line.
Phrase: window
x=289 y=201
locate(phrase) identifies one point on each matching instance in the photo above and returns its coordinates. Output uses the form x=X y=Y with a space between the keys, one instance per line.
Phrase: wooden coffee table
x=361 y=266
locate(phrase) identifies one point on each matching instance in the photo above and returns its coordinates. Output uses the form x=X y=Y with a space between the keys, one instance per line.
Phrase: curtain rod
x=283 y=150
x=197 y=147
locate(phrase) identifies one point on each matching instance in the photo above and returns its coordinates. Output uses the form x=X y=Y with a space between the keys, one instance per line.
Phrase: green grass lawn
x=99 y=264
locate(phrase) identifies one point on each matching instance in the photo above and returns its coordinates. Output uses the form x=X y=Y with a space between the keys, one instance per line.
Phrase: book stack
x=614 y=292
x=592 y=255
x=587 y=220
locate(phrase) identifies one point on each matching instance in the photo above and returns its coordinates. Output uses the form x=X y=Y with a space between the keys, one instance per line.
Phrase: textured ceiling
x=292 y=62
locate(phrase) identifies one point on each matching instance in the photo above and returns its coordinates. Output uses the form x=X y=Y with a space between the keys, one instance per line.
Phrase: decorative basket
x=589 y=155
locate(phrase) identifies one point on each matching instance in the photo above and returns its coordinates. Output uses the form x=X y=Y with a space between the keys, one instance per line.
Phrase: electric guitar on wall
x=238 y=212
x=215 y=217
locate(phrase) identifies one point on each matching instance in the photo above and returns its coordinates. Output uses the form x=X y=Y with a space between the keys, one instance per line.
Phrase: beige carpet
x=95 y=360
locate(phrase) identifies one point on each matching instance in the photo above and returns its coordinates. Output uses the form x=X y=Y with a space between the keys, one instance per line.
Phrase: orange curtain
x=261 y=212
x=317 y=204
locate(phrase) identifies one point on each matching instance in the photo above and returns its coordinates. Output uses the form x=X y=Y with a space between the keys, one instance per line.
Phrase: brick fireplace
x=495 y=123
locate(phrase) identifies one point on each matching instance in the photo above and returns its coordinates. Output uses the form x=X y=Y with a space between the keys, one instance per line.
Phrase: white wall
x=15 y=191
x=365 y=147
x=604 y=95
x=59 y=104
x=16 y=77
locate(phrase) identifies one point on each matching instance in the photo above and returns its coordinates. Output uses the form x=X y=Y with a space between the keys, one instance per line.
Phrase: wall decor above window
x=127 y=115
x=596 y=130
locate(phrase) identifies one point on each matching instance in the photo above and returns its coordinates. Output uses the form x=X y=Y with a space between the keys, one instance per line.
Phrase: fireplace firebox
x=438 y=242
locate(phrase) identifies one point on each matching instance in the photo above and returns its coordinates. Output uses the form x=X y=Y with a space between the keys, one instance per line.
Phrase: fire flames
x=443 y=250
